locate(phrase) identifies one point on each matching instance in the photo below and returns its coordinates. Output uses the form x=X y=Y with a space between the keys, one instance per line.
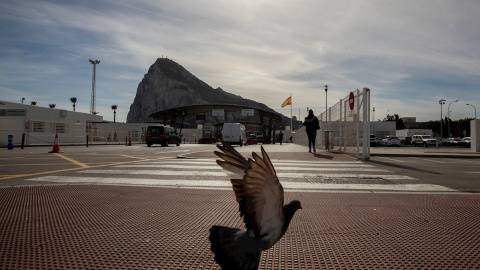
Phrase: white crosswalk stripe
x=294 y=175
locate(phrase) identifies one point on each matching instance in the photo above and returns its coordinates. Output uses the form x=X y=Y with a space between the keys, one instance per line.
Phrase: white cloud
x=409 y=53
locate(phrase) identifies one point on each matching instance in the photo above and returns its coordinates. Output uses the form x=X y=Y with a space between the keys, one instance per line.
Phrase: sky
x=409 y=53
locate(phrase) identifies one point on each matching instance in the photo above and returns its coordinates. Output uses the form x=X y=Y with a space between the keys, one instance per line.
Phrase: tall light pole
x=449 y=116
x=92 y=105
x=441 y=102
x=326 y=108
x=73 y=100
x=474 y=109
x=114 y=108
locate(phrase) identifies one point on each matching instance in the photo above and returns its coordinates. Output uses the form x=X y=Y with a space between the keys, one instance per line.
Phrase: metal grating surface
x=108 y=227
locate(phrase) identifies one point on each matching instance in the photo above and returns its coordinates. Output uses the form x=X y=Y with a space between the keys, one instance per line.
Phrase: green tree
x=399 y=121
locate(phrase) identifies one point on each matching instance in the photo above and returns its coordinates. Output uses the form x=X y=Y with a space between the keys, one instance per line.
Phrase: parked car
x=425 y=140
x=406 y=141
x=162 y=135
x=390 y=141
x=449 y=142
x=468 y=140
x=373 y=140
x=252 y=139
x=465 y=142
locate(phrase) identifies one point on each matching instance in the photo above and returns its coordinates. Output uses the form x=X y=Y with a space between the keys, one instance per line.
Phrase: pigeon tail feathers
x=234 y=248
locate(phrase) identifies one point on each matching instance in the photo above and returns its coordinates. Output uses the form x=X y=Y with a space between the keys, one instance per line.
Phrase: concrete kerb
x=424 y=152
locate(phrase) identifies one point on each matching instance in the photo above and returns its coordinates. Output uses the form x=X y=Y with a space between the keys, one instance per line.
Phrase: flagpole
x=291 y=114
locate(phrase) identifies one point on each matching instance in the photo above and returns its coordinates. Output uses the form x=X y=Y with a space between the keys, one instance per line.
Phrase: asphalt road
x=461 y=174
x=100 y=164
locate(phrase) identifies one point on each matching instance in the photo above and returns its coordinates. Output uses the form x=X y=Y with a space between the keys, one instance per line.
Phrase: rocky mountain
x=168 y=85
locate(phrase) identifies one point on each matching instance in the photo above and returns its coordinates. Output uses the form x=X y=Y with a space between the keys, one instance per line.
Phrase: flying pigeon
x=260 y=198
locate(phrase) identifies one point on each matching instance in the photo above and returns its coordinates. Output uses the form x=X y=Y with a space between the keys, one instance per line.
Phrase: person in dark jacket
x=311 y=126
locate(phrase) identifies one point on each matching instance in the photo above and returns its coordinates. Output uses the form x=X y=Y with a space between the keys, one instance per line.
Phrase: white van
x=234 y=133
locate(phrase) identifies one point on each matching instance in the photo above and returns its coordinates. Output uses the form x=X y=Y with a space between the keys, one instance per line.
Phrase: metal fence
x=43 y=133
x=347 y=130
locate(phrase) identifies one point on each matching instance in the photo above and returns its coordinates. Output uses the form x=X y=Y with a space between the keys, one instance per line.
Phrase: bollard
x=10 y=142
x=23 y=140
x=87 y=140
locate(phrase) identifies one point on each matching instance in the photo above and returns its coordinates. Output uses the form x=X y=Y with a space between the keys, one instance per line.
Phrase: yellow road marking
x=80 y=168
x=72 y=160
x=133 y=157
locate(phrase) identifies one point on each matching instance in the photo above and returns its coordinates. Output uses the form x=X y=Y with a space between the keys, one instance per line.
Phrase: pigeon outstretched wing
x=259 y=193
x=260 y=198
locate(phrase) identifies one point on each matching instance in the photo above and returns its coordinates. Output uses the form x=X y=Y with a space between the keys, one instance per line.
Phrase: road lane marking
x=392 y=159
x=429 y=160
x=12 y=176
x=304 y=164
x=219 y=184
x=72 y=160
x=216 y=167
x=224 y=173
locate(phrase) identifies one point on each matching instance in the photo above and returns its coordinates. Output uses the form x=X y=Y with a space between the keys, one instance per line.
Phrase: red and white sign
x=351 y=100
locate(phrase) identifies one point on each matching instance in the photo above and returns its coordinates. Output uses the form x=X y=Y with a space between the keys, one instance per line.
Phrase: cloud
x=410 y=54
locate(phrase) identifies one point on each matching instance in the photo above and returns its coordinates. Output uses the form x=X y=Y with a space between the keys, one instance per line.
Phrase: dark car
x=252 y=139
x=162 y=135
x=374 y=141
x=406 y=141
x=465 y=142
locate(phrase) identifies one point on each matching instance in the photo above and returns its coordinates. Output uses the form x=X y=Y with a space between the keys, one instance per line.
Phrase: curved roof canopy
x=199 y=109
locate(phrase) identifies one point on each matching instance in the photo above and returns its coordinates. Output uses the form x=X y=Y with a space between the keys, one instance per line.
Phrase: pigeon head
x=293 y=206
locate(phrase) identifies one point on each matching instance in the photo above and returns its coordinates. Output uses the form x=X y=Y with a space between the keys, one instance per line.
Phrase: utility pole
x=326 y=108
x=449 y=120
x=441 y=102
x=92 y=105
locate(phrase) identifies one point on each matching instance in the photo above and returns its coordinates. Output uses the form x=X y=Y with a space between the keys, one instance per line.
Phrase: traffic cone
x=56 y=147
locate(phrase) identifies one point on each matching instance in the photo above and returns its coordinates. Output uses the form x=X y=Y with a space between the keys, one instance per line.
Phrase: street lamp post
x=449 y=116
x=114 y=108
x=441 y=102
x=92 y=105
x=474 y=109
x=326 y=108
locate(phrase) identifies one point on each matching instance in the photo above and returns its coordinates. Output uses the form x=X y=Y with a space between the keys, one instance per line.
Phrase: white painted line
x=383 y=187
x=222 y=173
x=274 y=161
x=340 y=175
x=303 y=164
x=429 y=160
x=227 y=184
x=216 y=167
x=392 y=159
x=321 y=164
x=172 y=166
x=157 y=172
x=134 y=181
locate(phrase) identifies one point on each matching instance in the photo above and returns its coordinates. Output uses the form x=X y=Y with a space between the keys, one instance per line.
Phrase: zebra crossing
x=295 y=175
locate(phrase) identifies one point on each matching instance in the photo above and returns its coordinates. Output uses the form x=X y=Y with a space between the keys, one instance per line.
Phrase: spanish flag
x=287 y=102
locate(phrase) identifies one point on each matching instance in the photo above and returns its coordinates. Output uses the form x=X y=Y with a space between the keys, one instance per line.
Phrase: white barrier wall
x=475 y=135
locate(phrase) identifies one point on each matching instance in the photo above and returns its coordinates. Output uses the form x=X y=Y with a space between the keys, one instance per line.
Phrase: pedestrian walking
x=311 y=126
x=280 y=137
